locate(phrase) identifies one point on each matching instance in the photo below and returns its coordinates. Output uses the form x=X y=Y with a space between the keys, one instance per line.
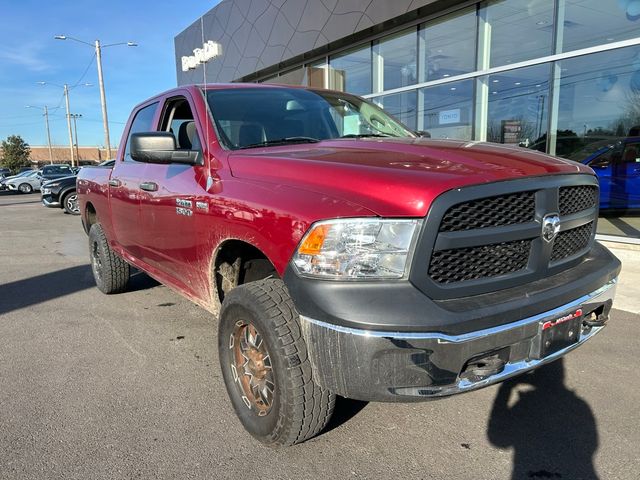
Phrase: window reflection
x=448 y=110
x=351 y=71
x=518 y=107
x=520 y=30
x=399 y=60
x=450 y=45
x=402 y=106
x=599 y=125
x=589 y=23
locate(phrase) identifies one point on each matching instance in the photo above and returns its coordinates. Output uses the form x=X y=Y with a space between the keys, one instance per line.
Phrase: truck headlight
x=356 y=248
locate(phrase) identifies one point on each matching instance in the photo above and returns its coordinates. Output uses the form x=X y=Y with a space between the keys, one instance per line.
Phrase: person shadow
x=552 y=430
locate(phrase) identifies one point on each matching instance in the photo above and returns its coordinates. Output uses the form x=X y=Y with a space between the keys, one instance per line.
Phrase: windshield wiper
x=281 y=141
x=364 y=135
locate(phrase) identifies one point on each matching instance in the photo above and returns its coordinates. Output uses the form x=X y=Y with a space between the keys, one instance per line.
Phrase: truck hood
x=393 y=177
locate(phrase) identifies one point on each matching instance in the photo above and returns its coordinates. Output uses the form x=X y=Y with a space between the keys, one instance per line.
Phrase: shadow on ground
x=48 y=286
x=344 y=411
x=551 y=429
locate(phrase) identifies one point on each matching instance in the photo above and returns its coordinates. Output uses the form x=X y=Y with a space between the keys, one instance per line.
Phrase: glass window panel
x=594 y=22
x=292 y=77
x=402 y=106
x=448 y=110
x=520 y=30
x=351 y=71
x=518 y=107
x=399 y=59
x=450 y=45
x=599 y=125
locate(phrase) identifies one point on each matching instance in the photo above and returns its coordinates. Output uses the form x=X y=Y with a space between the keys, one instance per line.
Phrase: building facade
x=559 y=76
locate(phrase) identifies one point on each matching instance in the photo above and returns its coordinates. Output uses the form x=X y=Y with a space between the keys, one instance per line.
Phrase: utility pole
x=46 y=122
x=45 y=109
x=103 y=100
x=66 y=101
x=75 y=116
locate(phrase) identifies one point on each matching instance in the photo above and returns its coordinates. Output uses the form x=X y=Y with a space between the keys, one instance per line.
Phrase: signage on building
x=208 y=51
x=447 y=117
x=511 y=131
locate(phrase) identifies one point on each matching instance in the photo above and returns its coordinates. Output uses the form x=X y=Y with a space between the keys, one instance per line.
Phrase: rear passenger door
x=168 y=198
x=124 y=187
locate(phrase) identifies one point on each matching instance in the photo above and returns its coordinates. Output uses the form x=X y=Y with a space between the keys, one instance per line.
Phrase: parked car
x=61 y=192
x=345 y=255
x=26 y=182
x=4 y=172
x=3 y=181
x=51 y=172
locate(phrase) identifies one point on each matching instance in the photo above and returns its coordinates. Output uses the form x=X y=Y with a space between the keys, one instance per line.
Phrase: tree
x=15 y=152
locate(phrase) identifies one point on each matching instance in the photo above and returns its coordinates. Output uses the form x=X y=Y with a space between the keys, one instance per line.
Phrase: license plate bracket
x=560 y=333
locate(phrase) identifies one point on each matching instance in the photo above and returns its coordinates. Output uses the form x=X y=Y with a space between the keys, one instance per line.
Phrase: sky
x=29 y=54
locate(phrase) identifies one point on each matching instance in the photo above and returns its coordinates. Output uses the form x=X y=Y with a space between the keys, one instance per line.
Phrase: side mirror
x=422 y=134
x=160 y=147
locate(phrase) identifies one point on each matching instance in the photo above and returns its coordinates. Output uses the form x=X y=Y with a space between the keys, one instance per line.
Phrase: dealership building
x=559 y=76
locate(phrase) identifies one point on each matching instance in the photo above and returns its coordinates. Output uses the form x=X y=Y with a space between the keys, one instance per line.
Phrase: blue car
x=618 y=170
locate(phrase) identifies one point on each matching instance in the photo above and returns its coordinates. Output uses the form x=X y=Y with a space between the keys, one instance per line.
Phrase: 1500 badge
x=184 y=211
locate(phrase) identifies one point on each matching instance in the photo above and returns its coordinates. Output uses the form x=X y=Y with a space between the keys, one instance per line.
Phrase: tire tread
x=311 y=406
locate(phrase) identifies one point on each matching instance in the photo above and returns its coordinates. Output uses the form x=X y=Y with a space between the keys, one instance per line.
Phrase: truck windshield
x=258 y=117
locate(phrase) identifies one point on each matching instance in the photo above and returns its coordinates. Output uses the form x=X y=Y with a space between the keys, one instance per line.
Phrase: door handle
x=149 y=186
x=114 y=182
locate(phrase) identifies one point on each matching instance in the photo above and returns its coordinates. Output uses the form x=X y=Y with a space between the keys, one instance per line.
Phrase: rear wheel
x=110 y=272
x=266 y=368
x=70 y=203
x=25 y=188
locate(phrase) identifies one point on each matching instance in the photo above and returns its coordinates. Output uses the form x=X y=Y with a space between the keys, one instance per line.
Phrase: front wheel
x=110 y=272
x=266 y=367
x=70 y=203
x=25 y=188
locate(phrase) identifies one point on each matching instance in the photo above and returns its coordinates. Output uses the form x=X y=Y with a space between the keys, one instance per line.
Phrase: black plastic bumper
x=387 y=341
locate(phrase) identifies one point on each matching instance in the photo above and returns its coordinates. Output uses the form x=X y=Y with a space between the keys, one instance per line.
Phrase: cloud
x=27 y=55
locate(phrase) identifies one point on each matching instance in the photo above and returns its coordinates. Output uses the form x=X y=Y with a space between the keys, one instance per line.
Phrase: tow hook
x=599 y=316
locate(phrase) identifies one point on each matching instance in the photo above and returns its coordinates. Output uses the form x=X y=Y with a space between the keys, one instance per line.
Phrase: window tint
x=141 y=123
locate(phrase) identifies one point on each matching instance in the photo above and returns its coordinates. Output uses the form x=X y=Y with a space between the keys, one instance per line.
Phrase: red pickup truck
x=345 y=255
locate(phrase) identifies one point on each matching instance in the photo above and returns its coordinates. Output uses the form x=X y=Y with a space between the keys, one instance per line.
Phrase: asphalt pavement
x=128 y=386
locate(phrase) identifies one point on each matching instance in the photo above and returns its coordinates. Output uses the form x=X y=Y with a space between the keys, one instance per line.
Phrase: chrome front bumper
x=404 y=366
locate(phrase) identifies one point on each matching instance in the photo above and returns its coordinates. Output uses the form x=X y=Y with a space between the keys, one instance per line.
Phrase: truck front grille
x=572 y=241
x=488 y=237
x=508 y=209
x=459 y=265
x=576 y=199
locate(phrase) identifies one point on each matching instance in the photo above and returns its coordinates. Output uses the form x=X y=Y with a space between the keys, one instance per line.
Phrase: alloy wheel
x=251 y=367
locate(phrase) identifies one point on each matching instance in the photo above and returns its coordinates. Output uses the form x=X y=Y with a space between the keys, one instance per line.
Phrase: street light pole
x=66 y=102
x=103 y=98
x=66 y=89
